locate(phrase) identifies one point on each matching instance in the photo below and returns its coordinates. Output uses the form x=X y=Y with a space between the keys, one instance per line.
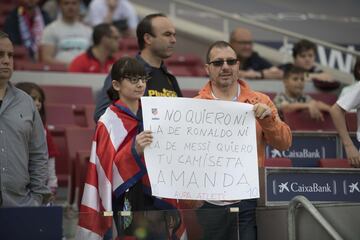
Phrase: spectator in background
x=66 y=37
x=224 y=84
x=156 y=40
x=348 y=101
x=38 y=96
x=99 y=57
x=252 y=65
x=53 y=10
x=25 y=25
x=294 y=99
x=119 y=12
x=304 y=53
x=23 y=155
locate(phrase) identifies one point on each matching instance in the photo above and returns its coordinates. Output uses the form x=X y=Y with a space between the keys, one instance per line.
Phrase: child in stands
x=294 y=99
x=38 y=96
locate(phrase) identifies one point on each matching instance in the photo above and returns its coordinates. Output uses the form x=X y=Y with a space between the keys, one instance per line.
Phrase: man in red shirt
x=98 y=58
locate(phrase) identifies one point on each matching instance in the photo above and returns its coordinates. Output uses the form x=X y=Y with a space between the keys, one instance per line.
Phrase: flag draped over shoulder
x=114 y=167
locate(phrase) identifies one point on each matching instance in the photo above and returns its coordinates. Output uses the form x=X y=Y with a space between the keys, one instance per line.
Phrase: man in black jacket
x=156 y=40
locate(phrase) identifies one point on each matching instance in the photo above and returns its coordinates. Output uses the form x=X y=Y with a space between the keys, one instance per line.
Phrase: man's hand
x=261 y=110
x=353 y=155
x=315 y=112
x=142 y=140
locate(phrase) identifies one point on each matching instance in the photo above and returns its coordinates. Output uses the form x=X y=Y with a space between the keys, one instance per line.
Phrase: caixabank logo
x=299 y=153
x=316 y=186
x=296 y=187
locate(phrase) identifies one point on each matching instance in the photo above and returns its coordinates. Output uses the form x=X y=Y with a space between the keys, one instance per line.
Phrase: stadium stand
x=334 y=163
x=26 y=65
x=301 y=121
x=54 y=111
x=351 y=121
x=278 y=162
x=76 y=95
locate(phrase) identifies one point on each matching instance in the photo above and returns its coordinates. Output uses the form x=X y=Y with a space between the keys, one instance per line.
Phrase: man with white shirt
x=349 y=101
x=66 y=37
x=119 y=12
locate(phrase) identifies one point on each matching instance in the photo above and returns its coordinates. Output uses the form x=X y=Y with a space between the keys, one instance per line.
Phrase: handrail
x=294 y=203
x=238 y=18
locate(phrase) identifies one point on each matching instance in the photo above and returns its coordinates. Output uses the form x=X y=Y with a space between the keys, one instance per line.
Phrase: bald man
x=252 y=65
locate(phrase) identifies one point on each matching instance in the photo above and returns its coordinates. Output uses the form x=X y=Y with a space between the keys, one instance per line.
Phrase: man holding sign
x=222 y=67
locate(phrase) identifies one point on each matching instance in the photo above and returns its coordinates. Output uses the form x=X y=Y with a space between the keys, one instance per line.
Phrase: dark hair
x=124 y=67
x=3 y=35
x=217 y=44
x=28 y=87
x=101 y=30
x=145 y=26
x=293 y=70
x=356 y=70
x=302 y=46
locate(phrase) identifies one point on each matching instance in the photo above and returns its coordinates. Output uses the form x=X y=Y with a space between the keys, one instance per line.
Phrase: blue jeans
x=218 y=223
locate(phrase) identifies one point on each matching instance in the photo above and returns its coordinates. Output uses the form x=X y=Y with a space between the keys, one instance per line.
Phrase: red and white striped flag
x=113 y=168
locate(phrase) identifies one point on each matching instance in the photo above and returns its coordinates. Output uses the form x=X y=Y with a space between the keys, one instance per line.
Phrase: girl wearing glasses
x=116 y=176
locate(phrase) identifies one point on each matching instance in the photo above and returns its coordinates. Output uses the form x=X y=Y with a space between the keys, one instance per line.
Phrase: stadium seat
x=2 y=22
x=61 y=161
x=6 y=8
x=76 y=95
x=334 y=163
x=89 y=116
x=129 y=43
x=301 y=121
x=189 y=93
x=80 y=171
x=179 y=70
x=189 y=60
x=21 y=53
x=328 y=98
x=278 y=162
x=271 y=95
x=351 y=121
x=26 y=65
x=59 y=114
x=77 y=139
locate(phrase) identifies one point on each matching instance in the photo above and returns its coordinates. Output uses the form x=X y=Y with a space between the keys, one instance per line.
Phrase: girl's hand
x=142 y=140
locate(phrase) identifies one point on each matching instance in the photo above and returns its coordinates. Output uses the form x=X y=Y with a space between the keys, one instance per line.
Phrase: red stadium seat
x=76 y=95
x=59 y=114
x=6 y=8
x=278 y=162
x=189 y=60
x=183 y=71
x=351 y=121
x=327 y=98
x=271 y=95
x=77 y=139
x=301 y=121
x=128 y=44
x=61 y=161
x=21 y=53
x=25 y=65
x=80 y=171
x=334 y=163
x=189 y=93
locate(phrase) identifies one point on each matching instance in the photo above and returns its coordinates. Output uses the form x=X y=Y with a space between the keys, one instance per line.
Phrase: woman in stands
x=39 y=99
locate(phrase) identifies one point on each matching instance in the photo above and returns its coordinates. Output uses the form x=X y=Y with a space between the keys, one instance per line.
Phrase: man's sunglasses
x=220 y=63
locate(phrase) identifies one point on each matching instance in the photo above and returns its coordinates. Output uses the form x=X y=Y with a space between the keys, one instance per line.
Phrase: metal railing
x=236 y=17
x=301 y=200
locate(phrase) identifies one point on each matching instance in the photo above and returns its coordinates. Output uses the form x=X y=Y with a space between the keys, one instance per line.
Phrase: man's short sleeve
x=351 y=100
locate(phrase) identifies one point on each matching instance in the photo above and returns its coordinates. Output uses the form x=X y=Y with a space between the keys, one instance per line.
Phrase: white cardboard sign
x=202 y=149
